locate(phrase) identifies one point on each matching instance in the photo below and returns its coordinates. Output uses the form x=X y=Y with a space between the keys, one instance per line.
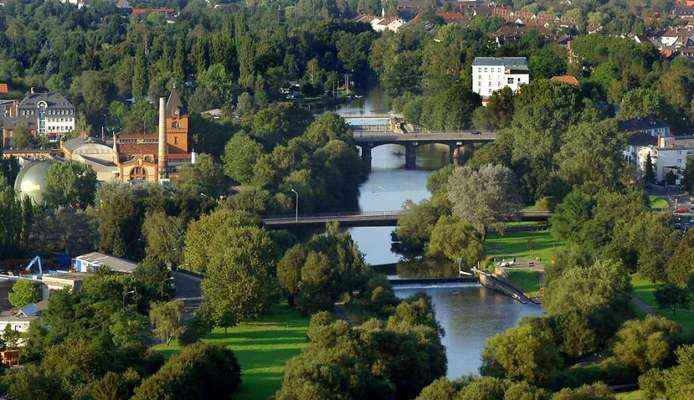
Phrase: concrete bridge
x=368 y=139
x=378 y=129
x=372 y=218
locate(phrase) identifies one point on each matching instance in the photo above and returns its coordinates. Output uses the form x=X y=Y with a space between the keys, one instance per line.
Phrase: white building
x=671 y=155
x=51 y=114
x=490 y=74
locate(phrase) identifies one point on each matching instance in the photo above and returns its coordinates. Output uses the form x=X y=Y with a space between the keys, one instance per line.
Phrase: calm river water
x=468 y=313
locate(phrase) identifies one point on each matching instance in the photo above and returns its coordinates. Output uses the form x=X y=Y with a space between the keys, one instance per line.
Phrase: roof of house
x=641 y=124
x=571 y=80
x=453 y=17
x=29 y=310
x=10 y=122
x=642 y=139
x=509 y=62
x=114 y=263
x=52 y=99
x=174 y=103
x=75 y=143
x=4 y=88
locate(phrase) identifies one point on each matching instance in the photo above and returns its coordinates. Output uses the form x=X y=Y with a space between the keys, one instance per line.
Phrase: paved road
x=188 y=291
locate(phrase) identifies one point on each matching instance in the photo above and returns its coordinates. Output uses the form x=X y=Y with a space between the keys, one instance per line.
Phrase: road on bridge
x=391 y=137
x=378 y=218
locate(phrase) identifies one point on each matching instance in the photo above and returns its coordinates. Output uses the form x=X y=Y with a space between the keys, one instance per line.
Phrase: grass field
x=657 y=202
x=262 y=347
x=635 y=395
x=644 y=289
x=537 y=244
x=525 y=280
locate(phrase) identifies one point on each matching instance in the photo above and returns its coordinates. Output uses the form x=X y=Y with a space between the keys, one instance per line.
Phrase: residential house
x=493 y=73
x=684 y=13
x=514 y=32
x=670 y=156
x=677 y=36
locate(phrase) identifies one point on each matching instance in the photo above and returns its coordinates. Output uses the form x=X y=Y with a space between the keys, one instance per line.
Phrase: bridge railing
x=393 y=213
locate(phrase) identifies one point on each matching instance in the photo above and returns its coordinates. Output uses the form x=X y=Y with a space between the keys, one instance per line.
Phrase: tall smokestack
x=162 y=138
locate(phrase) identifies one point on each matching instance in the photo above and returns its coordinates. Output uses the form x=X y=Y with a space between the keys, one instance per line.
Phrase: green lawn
x=657 y=202
x=635 y=395
x=262 y=347
x=526 y=281
x=537 y=244
x=644 y=289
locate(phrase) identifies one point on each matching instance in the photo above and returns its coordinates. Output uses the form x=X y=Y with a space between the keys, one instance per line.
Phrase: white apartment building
x=490 y=74
x=51 y=114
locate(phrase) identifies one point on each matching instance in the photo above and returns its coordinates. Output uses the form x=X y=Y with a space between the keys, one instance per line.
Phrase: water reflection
x=469 y=315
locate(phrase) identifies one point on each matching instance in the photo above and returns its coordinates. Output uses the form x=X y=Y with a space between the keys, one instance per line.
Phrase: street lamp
x=296 y=205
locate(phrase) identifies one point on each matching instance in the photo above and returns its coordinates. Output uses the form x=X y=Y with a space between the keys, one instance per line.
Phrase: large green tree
x=240 y=155
x=70 y=184
x=24 y=292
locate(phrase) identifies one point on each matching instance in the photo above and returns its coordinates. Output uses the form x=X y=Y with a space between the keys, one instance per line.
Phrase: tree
x=649 y=173
x=30 y=383
x=595 y=391
x=522 y=353
x=198 y=249
x=591 y=157
x=642 y=103
x=118 y=219
x=239 y=282
x=199 y=371
x=483 y=197
x=601 y=293
x=163 y=236
x=12 y=213
x=240 y=155
x=672 y=296
x=204 y=178
x=24 y=292
x=22 y=137
x=456 y=241
x=289 y=271
x=279 y=122
x=688 y=180
x=673 y=383
x=570 y=215
x=70 y=184
x=680 y=266
x=646 y=344
x=167 y=319
x=498 y=113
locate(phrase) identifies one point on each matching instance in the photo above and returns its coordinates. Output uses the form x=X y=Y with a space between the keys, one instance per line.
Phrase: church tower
x=176 y=125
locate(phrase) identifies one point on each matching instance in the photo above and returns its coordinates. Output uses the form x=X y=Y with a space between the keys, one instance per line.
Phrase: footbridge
x=363 y=219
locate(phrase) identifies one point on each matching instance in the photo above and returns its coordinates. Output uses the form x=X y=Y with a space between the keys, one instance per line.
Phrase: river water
x=468 y=313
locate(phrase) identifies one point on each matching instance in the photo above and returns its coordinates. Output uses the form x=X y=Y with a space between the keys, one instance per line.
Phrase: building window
x=175 y=139
x=510 y=81
x=485 y=69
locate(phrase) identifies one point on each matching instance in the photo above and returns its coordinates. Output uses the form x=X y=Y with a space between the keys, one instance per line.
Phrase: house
x=647 y=126
x=493 y=73
x=685 y=13
x=677 y=36
x=514 y=32
x=4 y=88
x=387 y=24
x=453 y=17
x=50 y=114
x=670 y=156
x=92 y=261
x=8 y=108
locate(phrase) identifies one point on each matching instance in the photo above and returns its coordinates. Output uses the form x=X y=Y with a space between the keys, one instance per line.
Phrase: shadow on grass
x=273 y=358
x=258 y=335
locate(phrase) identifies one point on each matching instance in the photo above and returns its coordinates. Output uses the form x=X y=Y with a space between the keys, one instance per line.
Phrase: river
x=468 y=313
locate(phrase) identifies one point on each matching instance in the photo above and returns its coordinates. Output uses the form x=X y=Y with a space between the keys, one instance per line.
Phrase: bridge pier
x=366 y=154
x=411 y=155
x=454 y=154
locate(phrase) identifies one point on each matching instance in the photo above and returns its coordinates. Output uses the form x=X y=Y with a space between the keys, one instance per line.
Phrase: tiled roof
x=4 y=88
x=571 y=80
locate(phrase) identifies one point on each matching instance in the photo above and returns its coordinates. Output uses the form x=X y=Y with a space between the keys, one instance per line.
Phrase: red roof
x=571 y=80
x=162 y=10
x=451 y=17
x=4 y=88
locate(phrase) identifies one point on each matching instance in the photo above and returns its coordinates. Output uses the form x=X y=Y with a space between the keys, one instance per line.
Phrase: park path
x=643 y=306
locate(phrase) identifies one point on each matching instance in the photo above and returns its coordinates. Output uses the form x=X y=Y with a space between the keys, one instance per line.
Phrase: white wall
x=488 y=79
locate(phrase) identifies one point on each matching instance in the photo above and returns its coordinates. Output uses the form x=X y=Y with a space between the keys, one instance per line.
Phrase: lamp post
x=296 y=205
